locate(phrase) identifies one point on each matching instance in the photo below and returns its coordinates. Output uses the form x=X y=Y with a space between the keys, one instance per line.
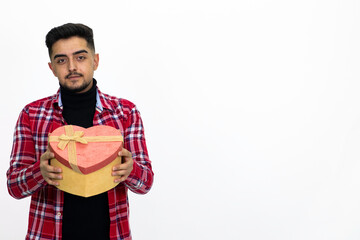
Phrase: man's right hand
x=49 y=173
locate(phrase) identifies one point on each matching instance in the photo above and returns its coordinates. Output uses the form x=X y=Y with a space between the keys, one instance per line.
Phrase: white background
x=251 y=110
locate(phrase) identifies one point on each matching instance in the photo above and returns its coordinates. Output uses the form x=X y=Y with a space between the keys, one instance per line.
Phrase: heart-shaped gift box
x=86 y=157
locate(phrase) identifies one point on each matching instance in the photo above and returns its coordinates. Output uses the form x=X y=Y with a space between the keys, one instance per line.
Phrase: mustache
x=73 y=74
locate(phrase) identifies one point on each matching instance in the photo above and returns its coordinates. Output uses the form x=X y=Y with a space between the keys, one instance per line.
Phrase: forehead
x=69 y=46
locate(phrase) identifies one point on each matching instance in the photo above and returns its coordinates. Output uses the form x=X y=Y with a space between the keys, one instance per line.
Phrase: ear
x=96 y=61
x=51 y=68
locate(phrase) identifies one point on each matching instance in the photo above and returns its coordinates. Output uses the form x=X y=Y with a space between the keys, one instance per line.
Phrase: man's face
x=73 y=63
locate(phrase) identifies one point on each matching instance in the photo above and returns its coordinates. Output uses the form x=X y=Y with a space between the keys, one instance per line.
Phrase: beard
x=78 y=89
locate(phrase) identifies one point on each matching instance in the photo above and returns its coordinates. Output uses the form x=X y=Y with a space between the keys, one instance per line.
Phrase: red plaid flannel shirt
x=40 y=118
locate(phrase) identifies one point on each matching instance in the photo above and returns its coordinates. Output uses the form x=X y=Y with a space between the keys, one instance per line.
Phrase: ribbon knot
x=64 y=140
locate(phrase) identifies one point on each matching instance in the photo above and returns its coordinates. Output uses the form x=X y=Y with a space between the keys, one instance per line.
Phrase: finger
x=45 y=166
x=52 y=178
x=119 y=173
x=125 y=153
x=47 y=155
x=51 y=182
x=121 y=179
x=53 y=169
x=123 y=166
x=118 y=167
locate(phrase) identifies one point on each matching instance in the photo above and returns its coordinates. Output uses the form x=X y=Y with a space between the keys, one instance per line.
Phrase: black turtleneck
x=83 y=218
x=79 y=108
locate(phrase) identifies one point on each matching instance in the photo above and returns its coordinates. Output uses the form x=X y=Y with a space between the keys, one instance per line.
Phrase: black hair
x=70 y=30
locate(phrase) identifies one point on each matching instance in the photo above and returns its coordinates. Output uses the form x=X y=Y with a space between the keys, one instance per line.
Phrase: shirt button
x=58 y=214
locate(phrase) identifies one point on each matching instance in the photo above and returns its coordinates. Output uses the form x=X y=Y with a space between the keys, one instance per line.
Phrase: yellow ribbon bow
x=65 y=140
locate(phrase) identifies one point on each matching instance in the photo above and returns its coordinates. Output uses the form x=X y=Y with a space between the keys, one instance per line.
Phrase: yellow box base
x=86 y=185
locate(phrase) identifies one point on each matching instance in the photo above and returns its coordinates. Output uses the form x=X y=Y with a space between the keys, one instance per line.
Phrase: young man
x=55 y=214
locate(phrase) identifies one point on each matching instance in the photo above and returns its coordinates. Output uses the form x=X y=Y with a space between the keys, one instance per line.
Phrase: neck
x=79 y=100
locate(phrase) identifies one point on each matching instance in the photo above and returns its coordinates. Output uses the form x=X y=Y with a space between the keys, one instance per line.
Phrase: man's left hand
x=124 y=169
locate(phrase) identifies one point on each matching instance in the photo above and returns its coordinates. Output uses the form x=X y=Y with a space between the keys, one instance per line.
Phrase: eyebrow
x=75 y=53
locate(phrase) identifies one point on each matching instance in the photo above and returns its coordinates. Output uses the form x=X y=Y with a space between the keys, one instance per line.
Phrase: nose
x=72 y=65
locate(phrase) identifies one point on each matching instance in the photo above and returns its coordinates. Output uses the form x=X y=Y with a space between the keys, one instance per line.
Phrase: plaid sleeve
x=141 y=178
x=24 y=176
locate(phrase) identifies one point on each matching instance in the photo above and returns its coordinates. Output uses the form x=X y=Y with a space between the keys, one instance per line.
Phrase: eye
x=60 y=60
x=81 y=58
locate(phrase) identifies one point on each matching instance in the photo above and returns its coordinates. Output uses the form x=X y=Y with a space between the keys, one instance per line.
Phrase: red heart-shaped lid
x=102 y=147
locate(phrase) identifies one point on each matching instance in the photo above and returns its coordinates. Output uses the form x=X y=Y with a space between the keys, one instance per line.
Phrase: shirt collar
x=99 y=106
